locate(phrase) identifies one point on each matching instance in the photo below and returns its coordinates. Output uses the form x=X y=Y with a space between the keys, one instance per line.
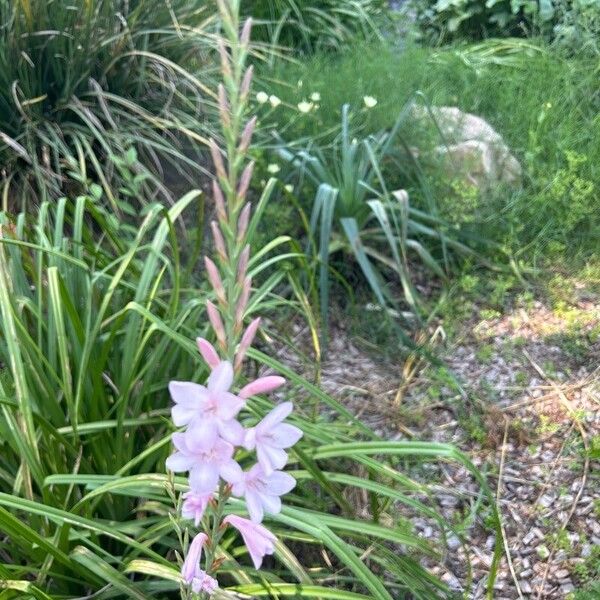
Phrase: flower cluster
x=212 y=432
x=206 y=449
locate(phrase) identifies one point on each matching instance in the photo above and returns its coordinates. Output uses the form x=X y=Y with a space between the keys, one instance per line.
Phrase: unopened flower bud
x=246 y=83
x=243 y=222
x=246 y=342
x=224 y=110
x=217 y=324
x=246 y=31
x=209 y=354
x=246 y=137
x=225 y=62
x=243 y=264
x=217 y=159
x=240 y=309
x=215 y=280
x=245 y=180
x=219 y=202
x=219 y=241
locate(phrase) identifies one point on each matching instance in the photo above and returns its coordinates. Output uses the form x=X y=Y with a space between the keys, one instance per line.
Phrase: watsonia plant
x=206 y=447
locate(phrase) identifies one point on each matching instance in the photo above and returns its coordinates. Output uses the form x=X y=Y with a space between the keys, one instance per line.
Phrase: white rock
x=472 y=150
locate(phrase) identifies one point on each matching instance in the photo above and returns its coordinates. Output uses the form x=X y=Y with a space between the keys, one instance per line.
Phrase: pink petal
x=278 y=414
x=228 y=405
x=191 y=565
x=250 y=439
x=256 y=551
x=201 y=435
x=280 y=483
x=262 y=386
x=183 y=416
x=204 y=583
x=254 y=506
x=188 y=394
x=209 y=354
x=204 y=477
x=179 y=463
x=179 y=442
x=271 y=459
x=232 y=431
x=258 y=539
x=232 y=473
x=222 y=451
x=258 y=546
x=221 y=378
x=255 y=472
x=194 y=506
x=284 y=435
x=271 y=504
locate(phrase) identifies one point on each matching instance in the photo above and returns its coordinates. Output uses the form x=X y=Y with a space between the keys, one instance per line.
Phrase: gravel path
x=527 y=411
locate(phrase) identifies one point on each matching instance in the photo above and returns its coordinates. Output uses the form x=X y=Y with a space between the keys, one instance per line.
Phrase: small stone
x=525 y=587
x=567 y=588
x=560 y=556
x=453 y=542
x=561 y=574
x=451 y=581
x=527 y=539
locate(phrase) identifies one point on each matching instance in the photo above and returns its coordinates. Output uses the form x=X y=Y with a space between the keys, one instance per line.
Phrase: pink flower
x=270 y=436
x=194 y=505
x=191 y=573
x=209 y=411
x=260 y=490
x=204 y=583
x=258 y=539
x=204 y=465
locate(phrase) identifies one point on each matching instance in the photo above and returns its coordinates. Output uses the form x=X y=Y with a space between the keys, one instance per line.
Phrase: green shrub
x=309 y=25
x=573 y=25
x=81 y=87
x=443 y=19
x=577 y=27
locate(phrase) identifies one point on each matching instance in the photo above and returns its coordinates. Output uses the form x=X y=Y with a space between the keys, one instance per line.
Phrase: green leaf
x=102 y=569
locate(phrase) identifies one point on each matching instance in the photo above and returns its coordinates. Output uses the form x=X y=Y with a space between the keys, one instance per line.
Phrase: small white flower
x=289 y=188
x=262 y=97
x=315 y=97
x=273 y=168
x=305 y=107
x=369 y=101
x=275 y=101
x=300 y=83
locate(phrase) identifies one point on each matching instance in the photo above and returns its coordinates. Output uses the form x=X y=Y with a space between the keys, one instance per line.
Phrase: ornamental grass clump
x=212 y=433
